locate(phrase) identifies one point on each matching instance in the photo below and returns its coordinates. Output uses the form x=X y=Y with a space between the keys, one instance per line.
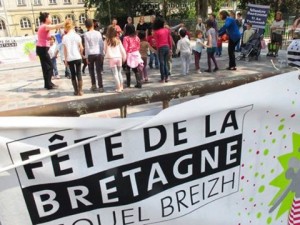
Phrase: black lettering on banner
x=29 y=167
x=47 y=202
x=192 y=194
x=211 y=192
x=56 y=160
x=177 y=131
x=87 y=152
x=183 y=200
x=208 y=132
x=110 y=146
x=163 y=137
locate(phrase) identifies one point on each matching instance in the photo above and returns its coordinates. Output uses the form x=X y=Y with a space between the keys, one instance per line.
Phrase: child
x=73 y=52
x=211 y=46
x=184 y=47
x=198 y=49
x=131 y=43
x=153 y=55
x=247 y=34
x=144 y=48
x=219 y=46
x=53 y=52
x=93 y=46
x=115 y=53
x=61 y=52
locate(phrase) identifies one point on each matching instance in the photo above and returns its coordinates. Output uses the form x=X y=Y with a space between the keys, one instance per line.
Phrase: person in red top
x=42 y=47
x=131 y=43
x=163 y=40
x=153 y=55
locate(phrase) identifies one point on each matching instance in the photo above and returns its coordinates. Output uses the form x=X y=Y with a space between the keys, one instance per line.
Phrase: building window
x=55 y=19
x=67 y=2
x=37 y=2
x=25 y=23
x=21 y=2
x=52 y=2
x=70 y=16
x=80 y=1
x=82 y=18
x=2 y=25
x=0 y=3
x=37 y=22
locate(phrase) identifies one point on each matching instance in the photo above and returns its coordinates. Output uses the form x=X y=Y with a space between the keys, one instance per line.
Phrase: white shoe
x=199 y=71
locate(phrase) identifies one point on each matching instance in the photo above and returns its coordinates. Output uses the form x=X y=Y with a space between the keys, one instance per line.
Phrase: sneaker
x=199 y=71
x=101 y=90
x=57 y=77
x=216 y=69
x=208 y=71
x=93 y=88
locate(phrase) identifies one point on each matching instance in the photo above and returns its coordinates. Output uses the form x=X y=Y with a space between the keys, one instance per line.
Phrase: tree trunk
x=203 y=8
x=197 y=7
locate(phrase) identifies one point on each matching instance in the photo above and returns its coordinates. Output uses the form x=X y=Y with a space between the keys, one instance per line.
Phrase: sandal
x=231 y=68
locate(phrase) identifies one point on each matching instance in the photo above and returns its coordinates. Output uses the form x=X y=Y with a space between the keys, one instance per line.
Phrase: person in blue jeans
x=231 y=28
x=53 y=51
x=153 y=55
x=163 y=41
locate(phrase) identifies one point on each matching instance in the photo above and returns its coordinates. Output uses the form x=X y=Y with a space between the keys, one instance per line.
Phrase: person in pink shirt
x=43 y=45
x=131 y=43
x=115 y=25
x=163 y=40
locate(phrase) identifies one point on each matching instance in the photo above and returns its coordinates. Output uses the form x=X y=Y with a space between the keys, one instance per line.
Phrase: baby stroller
x=252 y=48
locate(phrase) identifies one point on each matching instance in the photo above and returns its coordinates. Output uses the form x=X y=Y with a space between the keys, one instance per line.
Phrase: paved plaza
x=21 y=85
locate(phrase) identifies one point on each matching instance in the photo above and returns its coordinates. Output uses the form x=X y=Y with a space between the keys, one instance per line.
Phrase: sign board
x=227 y=158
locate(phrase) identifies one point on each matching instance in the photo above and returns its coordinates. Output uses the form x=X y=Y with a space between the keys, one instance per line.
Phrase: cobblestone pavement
x=21 y=85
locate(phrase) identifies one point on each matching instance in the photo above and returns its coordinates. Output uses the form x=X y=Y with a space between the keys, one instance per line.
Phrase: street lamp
x=86 y=13
x=33 y=24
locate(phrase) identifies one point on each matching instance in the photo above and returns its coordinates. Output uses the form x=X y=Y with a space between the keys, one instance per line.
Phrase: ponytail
x=43 y=16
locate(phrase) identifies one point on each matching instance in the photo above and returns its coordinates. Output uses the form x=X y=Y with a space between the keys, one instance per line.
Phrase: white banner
x=231 y=158
x=17 y=49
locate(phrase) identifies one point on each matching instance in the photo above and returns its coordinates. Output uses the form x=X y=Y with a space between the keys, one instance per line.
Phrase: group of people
x=128 y=48
x=208 y=37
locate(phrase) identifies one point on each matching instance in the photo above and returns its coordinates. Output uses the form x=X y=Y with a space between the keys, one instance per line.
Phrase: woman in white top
x=73 y=51
x=201 y=26
x=277 y=29
x=115 y=53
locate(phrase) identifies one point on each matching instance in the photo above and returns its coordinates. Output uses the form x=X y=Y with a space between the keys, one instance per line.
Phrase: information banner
x=17 y=49
x=227 y=158
x=257 y=15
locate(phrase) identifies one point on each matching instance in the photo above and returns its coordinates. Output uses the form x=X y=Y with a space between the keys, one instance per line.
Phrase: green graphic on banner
x=284 y=197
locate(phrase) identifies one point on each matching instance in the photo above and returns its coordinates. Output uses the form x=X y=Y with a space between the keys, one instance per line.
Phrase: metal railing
x=144 y=96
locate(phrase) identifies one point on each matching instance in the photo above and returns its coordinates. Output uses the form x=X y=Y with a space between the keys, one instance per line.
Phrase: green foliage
x=124 y=8
x=216 y=5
